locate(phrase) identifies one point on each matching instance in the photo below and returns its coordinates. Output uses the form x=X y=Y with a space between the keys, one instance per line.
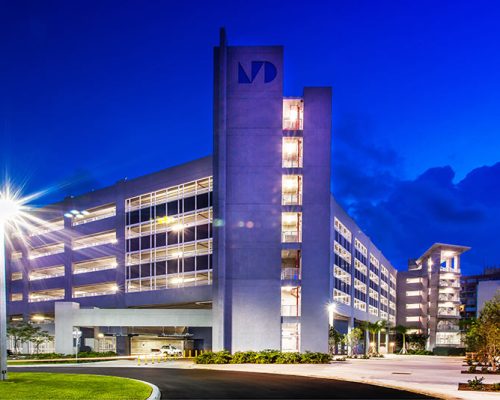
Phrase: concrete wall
x=316 y=263
x=69 y=315
x=113 y=194
x=248 y=199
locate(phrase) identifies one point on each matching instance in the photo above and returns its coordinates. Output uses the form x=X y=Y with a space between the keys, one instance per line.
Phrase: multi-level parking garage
x=215 y=252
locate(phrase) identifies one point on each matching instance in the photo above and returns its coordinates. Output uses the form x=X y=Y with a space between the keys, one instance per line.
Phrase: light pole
x=9 y=209
x=77 y=334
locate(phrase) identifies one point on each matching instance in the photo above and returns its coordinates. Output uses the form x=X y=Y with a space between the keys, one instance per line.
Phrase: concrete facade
x=247 y=250
x=471 y=293
x=429 y=294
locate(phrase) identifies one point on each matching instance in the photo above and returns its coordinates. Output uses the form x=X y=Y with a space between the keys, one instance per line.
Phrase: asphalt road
x=211 y=384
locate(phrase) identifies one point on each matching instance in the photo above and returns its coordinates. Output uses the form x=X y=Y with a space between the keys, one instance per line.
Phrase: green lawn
x=43 y=385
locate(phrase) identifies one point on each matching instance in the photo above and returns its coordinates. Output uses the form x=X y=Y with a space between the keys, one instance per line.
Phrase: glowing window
x=292 y=152
x=16 y=276
x=293 y=114
x=291 y=227
x=291 y=190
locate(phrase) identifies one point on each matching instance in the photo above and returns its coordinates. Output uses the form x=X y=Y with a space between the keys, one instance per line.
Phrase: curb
x=155 y=392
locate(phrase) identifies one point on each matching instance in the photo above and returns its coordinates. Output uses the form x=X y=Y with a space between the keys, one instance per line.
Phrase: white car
x=170 y=350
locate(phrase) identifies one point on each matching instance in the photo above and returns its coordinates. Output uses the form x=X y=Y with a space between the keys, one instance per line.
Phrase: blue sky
x=93 y=91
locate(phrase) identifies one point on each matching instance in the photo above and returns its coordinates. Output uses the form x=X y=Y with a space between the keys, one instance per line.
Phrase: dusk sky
x=95 y=91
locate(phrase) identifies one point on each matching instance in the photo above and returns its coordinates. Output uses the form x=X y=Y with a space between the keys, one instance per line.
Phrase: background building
x=476 y=289
x=245 y=250
x=429 y=295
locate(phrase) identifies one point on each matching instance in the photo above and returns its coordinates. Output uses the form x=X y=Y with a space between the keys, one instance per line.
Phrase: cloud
x=405 y=217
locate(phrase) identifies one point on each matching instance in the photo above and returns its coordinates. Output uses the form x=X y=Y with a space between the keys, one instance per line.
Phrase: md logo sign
x=269 y=75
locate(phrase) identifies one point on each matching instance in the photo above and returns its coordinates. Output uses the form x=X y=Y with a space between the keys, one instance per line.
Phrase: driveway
x=215 y=384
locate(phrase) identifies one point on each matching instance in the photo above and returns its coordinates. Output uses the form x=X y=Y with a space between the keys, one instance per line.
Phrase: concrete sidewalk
x=432 y=375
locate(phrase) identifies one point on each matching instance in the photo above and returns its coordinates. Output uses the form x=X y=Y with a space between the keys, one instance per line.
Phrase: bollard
x=189 y=354
x=139 y=360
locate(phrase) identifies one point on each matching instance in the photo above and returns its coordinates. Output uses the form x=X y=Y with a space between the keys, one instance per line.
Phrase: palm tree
x=380 y=326
x=402 y=330
x=372 y=328
x=365 y=327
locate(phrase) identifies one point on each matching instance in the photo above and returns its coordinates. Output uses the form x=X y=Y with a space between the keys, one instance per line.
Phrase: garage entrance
x=147 y=344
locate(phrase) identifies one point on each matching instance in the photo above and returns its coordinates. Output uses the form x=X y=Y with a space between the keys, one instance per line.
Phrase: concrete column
x=367 y=341
x=123 y=345
x=378 y=341
x=350 y=327
x=64 y=326
x=387 y=350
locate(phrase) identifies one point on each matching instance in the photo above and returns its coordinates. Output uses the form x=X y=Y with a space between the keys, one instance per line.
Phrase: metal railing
x=290 y=273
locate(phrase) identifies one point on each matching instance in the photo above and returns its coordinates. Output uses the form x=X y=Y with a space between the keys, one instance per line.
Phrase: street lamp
x=10 y=208
x=13 y=216
x=77 y=334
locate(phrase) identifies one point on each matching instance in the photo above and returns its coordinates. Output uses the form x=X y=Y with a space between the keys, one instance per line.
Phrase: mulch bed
x=479 y=372
x=487 y=387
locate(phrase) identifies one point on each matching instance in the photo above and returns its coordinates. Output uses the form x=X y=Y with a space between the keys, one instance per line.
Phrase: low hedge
x=420 y=352
x=49 y=356
x=262 y=357
x=449 y=351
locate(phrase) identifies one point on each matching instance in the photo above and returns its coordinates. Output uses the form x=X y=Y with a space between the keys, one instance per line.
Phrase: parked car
x=170 y=350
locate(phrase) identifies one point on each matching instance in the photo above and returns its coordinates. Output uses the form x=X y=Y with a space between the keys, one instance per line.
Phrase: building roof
x=443 y=246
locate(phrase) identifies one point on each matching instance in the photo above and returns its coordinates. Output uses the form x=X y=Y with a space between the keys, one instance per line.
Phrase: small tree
x=483 y=336
x=23 y=332
x=352 y=339
x=18 y=331
x=39 y=338
x=417 y=341
x=402 y=330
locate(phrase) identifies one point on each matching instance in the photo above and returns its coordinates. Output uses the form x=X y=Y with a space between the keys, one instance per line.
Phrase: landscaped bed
x=263 y=357
x=54 y=386
x=483 y=387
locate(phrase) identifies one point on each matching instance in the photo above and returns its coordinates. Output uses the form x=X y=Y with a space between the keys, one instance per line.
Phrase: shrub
x=476 y=384
x=449 y=351
x=472 y=368
x=244 y=357
x=210 y=357
x=268 y=356
x=87 y=354
x=262 y=357
x=288 y=358
x=340 y=359
x=420 y=352
x=48 y=356
x=365 y=357
x=315 y=358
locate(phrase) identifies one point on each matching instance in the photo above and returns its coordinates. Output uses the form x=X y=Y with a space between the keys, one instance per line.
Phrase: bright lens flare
x=11 y=205
x=9 y=209
x=16 y=216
